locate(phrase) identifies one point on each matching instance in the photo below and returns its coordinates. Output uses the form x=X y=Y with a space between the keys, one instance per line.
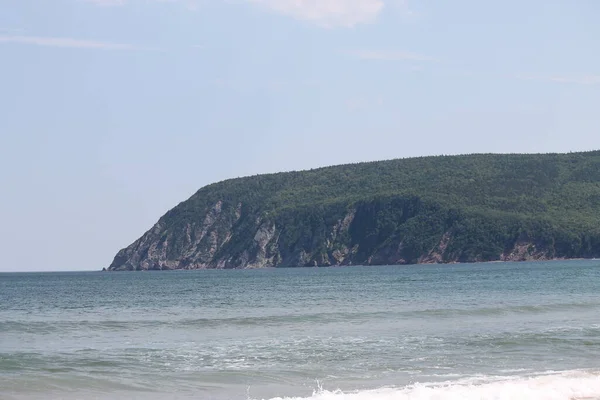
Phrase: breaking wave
x=572 y=385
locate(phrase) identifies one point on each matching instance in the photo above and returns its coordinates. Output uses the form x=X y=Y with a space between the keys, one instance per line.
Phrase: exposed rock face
x=223 y=237
x=526 y=250
x=209 y=245
x=436 y=255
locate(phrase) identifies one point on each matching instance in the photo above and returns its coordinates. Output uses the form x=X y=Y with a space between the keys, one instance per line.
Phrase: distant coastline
x=428 y=210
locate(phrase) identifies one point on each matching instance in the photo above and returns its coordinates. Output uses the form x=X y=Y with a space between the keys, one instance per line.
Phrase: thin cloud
x=388 y=55
x=63 y=42
x=190 y=4
x=327 y=13
x=106 y=2
x=578 y=80
x=11 y=31
x=584 y=80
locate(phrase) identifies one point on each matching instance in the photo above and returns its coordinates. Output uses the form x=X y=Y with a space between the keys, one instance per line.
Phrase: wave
x=509 y=309
x=53 y=326
x=571 y=385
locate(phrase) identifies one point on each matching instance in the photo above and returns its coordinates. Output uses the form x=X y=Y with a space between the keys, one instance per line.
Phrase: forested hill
x=481 y=207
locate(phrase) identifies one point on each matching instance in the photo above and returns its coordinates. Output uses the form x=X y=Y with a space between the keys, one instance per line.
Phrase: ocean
x=473 y=331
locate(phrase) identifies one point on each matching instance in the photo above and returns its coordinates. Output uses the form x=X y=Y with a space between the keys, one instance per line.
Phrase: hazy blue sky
x=113 y=111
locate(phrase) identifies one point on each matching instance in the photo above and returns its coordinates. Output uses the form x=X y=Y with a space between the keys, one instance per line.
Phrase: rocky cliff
x=427 y=210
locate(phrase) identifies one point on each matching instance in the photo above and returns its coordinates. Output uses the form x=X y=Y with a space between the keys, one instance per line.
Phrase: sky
x=114 y=111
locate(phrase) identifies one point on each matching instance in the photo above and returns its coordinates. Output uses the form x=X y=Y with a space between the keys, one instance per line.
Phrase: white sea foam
x=572 y=385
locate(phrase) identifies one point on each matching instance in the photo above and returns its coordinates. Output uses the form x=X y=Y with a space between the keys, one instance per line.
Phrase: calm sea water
x=497 y=331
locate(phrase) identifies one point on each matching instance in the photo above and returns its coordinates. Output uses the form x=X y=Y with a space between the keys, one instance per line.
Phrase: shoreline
x=356 y=265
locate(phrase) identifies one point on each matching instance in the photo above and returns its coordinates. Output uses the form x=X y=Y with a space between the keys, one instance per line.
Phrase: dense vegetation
x=485 y=203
